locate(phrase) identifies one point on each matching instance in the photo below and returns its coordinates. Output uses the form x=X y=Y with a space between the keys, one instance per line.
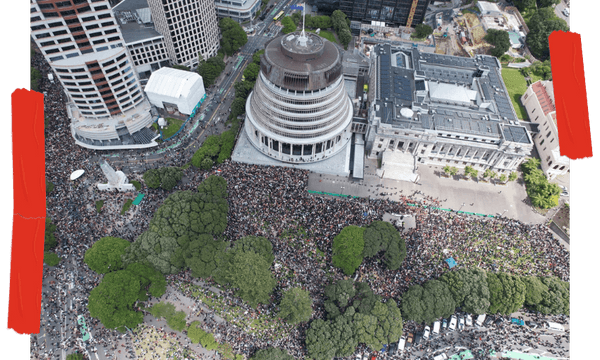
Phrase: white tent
x=76 y=174
x=179 y=87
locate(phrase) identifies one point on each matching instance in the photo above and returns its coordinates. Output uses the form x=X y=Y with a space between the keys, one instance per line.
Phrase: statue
x=116 y=179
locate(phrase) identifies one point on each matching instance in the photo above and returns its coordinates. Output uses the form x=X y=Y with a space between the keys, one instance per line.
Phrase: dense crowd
x=271 y=202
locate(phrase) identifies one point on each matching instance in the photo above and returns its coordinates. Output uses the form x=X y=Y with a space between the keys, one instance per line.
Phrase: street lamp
x=503 y=213
x=463 y=204
x=342 y=190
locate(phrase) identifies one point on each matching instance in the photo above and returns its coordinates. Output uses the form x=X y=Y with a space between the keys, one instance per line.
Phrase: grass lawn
x=126 y=206
x=172 y=126
x=137 y=185
x=99 y=205
x=535 y=77
x=516 y=85
x=326 y=34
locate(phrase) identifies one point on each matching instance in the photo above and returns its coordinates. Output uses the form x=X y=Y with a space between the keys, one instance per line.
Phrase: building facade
x=238 y=10
x=539 y=103
x=443 y=110
x=189 y=27
x=146 y=46
x=392 y=12
x=83 y=44
x=299 y=111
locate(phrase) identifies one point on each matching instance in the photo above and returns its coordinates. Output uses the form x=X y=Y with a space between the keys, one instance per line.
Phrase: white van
x=436 y=328
x=441 y=356
x=401 y=343
x=555 y=326
x=480 y=320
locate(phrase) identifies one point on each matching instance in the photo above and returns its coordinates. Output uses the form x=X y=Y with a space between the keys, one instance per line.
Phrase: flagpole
x=303 y=17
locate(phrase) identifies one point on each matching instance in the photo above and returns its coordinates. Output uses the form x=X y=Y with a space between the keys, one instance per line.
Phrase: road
x=558 y=11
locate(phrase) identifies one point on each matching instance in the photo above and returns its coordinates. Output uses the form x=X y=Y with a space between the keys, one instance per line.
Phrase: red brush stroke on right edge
x=29 y=187
x=570 y=96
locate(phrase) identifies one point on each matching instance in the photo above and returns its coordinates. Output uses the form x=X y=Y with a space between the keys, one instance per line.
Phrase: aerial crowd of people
x=272 y=202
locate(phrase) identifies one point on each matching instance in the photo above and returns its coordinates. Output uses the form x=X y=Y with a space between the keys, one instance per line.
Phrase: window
x=111 y=31
x=526 y=95
x=41 y=36
x=91 y=27
x=98 y=8
x=65 y=40
x=548 y=134
x=47 y=43
x=67 y=13
x=532 y=111
x=36 y=18
x=72 y=55
x=108 y=23
x=38 y=27
x=67 y=48
x=89 y=18
x=95 y=34
x=103 y=16
x=542 y=142
x=52 y=51
x=60 y=32
x=549 y=163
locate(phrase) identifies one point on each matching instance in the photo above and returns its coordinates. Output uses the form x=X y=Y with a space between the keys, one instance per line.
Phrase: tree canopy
x=112 y=300
x=507 y=293
x=555 y=300
x=295 y=306
x=542 y=193
x=251 y=71
x=428 y=302
x=165 y=177
x=541 y=24
x=234 y=37
x=469 y=289
x=423 y=30
x=175 y=235
x=211 y=68
x=348 y=247
x=105 y=254
x=500 y=40
x=271 y=353
x=288 y=25
x=534 y=290
x=338 y=19
x=383 y=236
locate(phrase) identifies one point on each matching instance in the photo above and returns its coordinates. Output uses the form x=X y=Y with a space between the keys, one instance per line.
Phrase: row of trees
x=354 y=315
x=341 y=24
x=165 y=177
x=541 y=24
x=312 y=22
x=469 y=171
x=288 y=25
x=478 y=292
x=542 y=69
x=542 y=193
x=354 y=243
x=215 y=149
x=211 y=69
x=233 y=36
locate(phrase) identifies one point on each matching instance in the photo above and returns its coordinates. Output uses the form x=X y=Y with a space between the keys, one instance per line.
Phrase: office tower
x=83 y=44
x=391 y=12
x=190 y=29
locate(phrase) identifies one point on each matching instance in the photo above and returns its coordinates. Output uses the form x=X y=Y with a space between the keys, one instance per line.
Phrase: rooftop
x=543 y=97
x=135 y=19
x=455 y=94
x=172 y=82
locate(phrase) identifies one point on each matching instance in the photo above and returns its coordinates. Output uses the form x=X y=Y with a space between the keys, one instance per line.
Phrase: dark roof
x=133 y=32
x=128 y=5
x=516 y=134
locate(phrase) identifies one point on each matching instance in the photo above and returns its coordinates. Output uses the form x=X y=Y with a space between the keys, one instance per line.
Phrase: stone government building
x=441 y=110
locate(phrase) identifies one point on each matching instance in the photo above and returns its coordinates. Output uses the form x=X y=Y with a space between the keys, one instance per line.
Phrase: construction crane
x=411 y=14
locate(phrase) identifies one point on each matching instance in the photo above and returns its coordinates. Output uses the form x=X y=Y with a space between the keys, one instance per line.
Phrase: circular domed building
x=299 y=111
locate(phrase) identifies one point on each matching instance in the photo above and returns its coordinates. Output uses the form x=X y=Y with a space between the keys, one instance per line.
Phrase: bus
x=278 y=16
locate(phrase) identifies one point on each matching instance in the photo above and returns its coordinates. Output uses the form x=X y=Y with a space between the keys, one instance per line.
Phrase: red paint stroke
x=29 y=187
x=570 y=96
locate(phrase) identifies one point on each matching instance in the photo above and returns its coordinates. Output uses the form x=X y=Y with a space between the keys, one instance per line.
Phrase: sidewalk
x=463 y=195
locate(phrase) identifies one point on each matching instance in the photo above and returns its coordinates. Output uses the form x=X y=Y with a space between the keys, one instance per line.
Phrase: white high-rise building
x=190 y=29
x=83 y=44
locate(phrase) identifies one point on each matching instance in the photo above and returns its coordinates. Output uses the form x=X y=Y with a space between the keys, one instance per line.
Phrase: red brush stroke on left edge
x=29 y=187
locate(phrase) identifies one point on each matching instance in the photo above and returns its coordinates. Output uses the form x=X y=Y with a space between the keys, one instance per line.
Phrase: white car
x=461 y=323
x=564 y=192
x=358 y=357
x=469 y=320
x=426 y=332
x=402 y=343
x=453 y=322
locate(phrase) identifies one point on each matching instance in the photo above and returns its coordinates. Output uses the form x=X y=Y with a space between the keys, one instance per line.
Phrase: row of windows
x=294 y=149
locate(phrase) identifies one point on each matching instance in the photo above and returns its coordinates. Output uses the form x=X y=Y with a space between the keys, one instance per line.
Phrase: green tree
x=525 y=4
x=51 y=259
x=256 y=56
x=271 y=353
x=547 y=3
x=152 y=178
x=541 y=24
x=288 y=25
x=423 y=31
x=345 y=36
x=534 y=290
x=251 y=71
x=447 y=169
x=383 y=236
x=348 y=246
x=238 y=106
x=468 y=170
x=503 y=178
x=211 y=68
x=36 y=75
x=210 y=148
x=243 y=89
x=320 y=343
x=469 y=289
x=250 y=274
x=181 y=67
x=112 y=300
x=555 y=300
x=75 y=356
x=428 y=302
x=340 y=295
x=507 y=293
x=195 y=332
x=49 y=239
x=234 y=37
x=151 y=280
x=296 y=306
x=453 y=171
x=105 y=254
x=500 y=40
x=513 y=176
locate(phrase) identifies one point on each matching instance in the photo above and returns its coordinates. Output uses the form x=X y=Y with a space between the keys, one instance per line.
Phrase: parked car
x=358 y=357
x=418 y=338
x=426 y=333
x=499 y=321
x=469 y=320
x=409 y=339
x=488 y=321
x=480 y=320
x=517 y=321
x=436 y=328
x=393 y=349
x=461 y=323
x=453 y=322
x=402 y=343
x=444 y=324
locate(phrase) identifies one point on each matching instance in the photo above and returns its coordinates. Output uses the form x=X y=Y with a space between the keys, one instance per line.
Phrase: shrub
x=51 y=259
